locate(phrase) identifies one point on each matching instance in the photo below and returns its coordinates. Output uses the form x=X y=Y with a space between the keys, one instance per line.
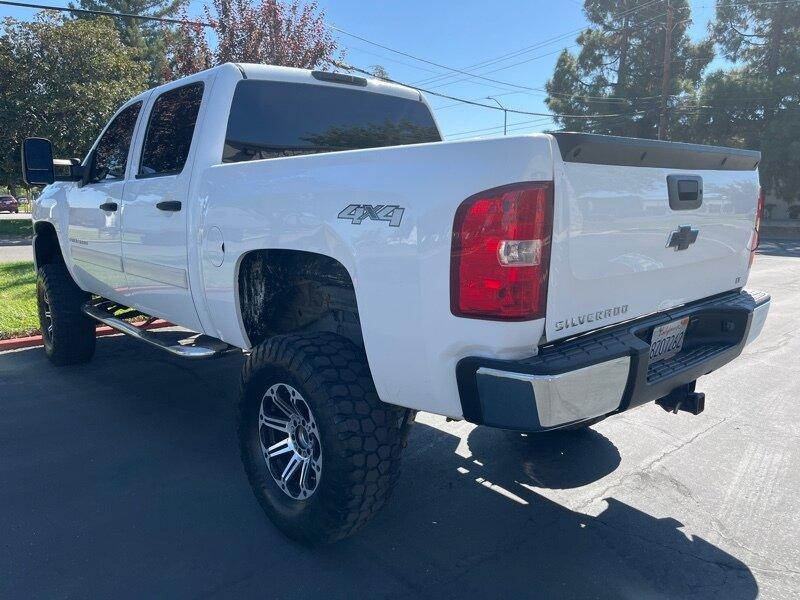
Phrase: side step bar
x=194 y=352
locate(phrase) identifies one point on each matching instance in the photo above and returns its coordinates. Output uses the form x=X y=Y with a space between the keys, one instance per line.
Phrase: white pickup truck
x=369 y=269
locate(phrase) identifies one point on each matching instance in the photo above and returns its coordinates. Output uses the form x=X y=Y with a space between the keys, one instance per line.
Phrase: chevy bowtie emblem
x=682 y=238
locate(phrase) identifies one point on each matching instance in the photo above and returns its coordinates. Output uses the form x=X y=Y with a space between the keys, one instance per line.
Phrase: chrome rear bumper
x=607 y=371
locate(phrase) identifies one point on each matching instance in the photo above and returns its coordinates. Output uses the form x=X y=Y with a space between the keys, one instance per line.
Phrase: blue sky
x=459 y=35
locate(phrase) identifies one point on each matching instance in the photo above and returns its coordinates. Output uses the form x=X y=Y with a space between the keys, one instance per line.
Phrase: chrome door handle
x=169 y=205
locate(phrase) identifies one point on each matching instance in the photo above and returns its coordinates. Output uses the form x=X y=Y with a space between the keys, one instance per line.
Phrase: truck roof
x=275 y=73
x=291 y=74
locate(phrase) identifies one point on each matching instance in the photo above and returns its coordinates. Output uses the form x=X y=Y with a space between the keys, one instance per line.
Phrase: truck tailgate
x=624 y=246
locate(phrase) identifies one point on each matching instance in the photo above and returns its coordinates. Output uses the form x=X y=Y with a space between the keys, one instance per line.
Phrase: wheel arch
x=282 y=291
x=46 y=247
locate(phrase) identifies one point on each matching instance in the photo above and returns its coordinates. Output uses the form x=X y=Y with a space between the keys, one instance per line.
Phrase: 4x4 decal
x=356 y=213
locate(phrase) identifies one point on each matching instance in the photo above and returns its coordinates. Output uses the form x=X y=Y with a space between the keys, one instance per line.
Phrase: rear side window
x=271 y=119
x=111 y=153
x=170 y=130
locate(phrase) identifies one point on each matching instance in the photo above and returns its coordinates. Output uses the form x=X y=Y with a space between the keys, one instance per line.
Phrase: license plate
x=667 y=340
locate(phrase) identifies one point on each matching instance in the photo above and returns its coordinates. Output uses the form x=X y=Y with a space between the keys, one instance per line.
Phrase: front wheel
x=67 y=333
x=320 y=449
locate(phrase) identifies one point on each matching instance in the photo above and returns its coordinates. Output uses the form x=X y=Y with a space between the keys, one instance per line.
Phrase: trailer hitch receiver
x=683 y=398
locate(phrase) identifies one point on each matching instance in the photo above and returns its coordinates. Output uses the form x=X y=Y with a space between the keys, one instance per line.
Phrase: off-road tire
x=71 y=340
x=361 y=437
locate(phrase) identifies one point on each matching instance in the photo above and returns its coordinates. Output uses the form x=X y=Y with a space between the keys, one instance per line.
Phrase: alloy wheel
x=290 y=441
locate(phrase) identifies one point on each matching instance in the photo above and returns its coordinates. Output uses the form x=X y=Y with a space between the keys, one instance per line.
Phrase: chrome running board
x=103 y=312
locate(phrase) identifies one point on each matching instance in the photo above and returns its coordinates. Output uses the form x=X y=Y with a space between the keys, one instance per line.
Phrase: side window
x=111 y=152
x=170 y=130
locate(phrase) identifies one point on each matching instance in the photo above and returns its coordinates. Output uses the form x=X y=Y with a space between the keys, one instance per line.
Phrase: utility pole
x=666 y=74
x=505 y=113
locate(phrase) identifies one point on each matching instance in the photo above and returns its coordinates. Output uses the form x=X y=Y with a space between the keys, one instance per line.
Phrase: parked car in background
x=9 y=204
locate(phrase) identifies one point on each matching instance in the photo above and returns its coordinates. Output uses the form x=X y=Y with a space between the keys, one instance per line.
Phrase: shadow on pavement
x=554 y=460
x=121 y=477
x=513 y=541
x=789 y=248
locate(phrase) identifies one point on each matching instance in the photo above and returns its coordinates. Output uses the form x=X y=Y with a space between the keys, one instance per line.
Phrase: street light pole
x=505 y=113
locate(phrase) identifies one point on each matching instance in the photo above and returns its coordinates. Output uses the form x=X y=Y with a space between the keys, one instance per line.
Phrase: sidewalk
x=13 y=247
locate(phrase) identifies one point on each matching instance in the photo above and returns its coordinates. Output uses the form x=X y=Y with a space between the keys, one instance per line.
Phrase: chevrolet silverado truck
x=368 y=269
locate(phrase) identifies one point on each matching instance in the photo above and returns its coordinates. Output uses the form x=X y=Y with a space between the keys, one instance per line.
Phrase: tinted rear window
x=271 y=119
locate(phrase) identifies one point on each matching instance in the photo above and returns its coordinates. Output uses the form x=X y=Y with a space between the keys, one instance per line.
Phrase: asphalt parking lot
x=121 y=478
x=13 y=248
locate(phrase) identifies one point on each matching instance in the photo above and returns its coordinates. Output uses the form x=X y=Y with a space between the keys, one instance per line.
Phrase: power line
x=476 y=99
x=511 y=127
x=203 y=24
x=348 y=67
x=542 y=44
x=474 y=103
x=363 y=71
x=510 y=55
x=425 y=60
x=503 y=68
x=104 y=13
x=474 y=75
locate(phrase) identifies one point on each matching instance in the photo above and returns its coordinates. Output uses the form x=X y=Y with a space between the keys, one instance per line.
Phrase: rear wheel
x=68 y=334
x=320 y=449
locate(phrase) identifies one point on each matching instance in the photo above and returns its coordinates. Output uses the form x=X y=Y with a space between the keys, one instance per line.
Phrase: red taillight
x=501 y=253
x=755 y=238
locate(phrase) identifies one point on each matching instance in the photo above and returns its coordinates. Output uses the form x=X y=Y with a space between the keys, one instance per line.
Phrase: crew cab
x=369 y=269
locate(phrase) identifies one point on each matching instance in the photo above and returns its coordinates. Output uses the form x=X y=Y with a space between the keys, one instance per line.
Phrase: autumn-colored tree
x=290 y=34
x=188 y=50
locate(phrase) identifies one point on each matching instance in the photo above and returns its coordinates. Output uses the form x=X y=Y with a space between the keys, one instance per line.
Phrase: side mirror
x=37 y=162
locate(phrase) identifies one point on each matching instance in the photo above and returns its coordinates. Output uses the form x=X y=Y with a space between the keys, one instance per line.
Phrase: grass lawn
x=18 y=315
x=20 y=227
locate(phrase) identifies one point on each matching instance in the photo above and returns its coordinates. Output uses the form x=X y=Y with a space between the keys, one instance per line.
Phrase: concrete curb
x=36 y=340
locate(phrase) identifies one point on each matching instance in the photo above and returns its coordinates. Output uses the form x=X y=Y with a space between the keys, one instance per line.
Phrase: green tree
x=757 y=103
x=379 y=71
x=620 y=65
x=62 y=79
x=146 y=38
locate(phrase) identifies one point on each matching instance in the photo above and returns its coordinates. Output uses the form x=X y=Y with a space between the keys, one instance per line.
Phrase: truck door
x=94 y=215
x=155 y=211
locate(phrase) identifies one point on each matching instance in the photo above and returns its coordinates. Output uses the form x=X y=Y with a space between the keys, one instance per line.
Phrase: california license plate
x=667 y=339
